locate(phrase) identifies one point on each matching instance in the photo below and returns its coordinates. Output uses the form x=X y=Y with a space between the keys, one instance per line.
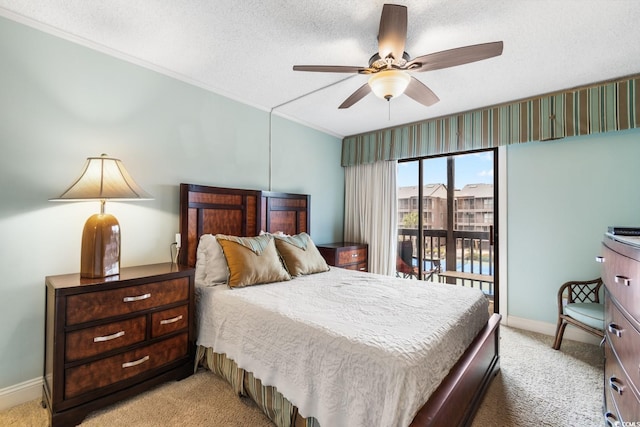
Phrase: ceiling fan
x=390 y=66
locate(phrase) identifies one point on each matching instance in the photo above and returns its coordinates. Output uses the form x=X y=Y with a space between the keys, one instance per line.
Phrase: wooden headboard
x=216 y=210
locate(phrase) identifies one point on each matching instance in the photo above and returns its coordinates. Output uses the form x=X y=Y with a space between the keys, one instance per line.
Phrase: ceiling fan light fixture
x=389 y=83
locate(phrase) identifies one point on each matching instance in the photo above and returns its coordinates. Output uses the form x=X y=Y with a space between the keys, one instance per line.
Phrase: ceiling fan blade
x=356 y=96
x=392 y=34
x=418 y=91
x=457 y=56
x=328 y=68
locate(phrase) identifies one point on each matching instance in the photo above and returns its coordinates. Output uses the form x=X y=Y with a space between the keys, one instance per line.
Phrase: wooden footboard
x=458 y=397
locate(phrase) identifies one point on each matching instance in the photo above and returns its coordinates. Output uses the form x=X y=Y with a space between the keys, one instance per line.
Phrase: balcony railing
x=474 y=257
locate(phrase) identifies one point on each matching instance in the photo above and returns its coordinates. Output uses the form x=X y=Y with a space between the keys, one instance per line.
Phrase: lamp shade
x=102 y=178
x=389 y=83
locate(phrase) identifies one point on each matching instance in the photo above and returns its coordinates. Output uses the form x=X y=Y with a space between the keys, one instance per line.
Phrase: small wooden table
x=483 y=278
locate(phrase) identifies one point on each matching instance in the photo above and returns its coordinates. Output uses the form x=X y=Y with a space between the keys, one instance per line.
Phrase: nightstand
x=111 y=338
x=352 y=256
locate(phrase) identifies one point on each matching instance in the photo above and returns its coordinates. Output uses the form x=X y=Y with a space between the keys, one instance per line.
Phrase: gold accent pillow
x=300 y=255
x=252 y=260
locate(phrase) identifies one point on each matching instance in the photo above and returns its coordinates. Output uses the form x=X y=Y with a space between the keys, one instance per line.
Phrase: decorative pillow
x=211 y=265
x=252 y=260
x=300 y=254
x=201 y=264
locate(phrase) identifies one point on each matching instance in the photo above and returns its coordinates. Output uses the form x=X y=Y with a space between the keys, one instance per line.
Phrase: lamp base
x=100 y=255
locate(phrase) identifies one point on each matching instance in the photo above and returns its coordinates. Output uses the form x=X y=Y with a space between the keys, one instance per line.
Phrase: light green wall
x=562 y=195
x=60 y=103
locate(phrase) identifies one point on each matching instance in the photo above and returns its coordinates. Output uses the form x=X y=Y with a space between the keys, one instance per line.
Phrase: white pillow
x=211 y=265
x=277 y=233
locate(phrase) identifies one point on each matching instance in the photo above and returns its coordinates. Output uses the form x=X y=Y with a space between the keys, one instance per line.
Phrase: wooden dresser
x=352 y=256
x=621 y=276
x=110 y=338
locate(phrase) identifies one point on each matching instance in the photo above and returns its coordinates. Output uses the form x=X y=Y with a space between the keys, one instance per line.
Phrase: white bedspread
x=348 y=348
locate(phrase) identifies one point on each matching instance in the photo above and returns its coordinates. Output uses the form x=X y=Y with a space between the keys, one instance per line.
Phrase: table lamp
x=102 y=178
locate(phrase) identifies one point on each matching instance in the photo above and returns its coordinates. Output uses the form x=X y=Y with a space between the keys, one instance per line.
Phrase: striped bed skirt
x=275 y=406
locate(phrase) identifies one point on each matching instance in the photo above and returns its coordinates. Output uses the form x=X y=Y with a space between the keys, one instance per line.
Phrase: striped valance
x=605 y=107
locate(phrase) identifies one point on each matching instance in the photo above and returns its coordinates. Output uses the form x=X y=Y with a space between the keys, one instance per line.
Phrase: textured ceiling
x=245 y=49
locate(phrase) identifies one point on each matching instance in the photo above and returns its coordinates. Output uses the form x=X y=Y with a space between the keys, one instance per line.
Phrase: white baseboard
x=570 y=333
x=20 y=393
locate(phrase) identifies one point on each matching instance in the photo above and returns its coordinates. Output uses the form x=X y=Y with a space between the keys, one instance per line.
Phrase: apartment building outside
x=473 y=207
x=434 y=215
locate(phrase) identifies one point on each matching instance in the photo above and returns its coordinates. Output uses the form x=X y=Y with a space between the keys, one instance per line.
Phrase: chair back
x=405 y=252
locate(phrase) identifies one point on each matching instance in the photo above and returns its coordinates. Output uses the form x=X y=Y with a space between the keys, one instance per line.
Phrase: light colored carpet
x=537 y=386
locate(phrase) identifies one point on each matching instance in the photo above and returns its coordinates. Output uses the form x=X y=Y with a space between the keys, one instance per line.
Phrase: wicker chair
x=582 y=309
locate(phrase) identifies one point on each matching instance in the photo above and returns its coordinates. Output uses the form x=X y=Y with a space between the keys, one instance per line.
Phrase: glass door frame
x=451 y=257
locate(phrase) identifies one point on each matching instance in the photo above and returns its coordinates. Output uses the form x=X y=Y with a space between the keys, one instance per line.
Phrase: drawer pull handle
x=172 y=320
x=611 y=419
x=354 y=255
x=625 y=280
x=135 y=362
x=615 y=330
x=600 y=259
x=108 y=337
x=138 y=298
x=616 y=385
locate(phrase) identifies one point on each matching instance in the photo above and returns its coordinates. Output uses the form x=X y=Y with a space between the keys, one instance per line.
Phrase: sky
x=475 y=168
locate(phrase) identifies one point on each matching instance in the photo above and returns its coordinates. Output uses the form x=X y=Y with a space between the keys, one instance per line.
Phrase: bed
x=411 y=397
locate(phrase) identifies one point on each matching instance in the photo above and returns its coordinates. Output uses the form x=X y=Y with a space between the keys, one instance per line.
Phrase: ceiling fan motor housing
x=376 y=63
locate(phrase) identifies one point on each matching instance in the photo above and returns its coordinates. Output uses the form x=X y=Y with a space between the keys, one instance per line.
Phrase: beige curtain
x=371 y=212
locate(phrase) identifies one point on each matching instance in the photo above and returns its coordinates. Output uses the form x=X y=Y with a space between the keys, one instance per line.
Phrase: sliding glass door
x=446 y=220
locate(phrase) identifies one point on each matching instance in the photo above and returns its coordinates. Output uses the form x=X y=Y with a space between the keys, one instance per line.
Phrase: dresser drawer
x=95 y=375
x=360 y=267
x=93 y=341
x=624 y=339
x=351 y=256
x=621 y=277
x=102 y=304
x=611 y=415
x=619 y=389
x=167 y=321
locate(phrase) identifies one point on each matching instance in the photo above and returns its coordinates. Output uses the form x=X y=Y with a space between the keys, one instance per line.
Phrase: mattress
x=345 y=347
